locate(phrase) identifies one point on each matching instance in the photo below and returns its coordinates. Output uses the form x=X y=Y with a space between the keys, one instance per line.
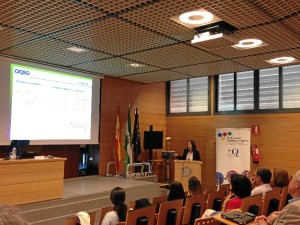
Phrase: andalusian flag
x=118 y=147
x=127 y=145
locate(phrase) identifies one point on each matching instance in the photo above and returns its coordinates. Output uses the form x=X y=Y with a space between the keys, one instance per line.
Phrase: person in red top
x=240 y=188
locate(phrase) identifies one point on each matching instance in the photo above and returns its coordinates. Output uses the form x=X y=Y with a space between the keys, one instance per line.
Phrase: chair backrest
x=206 y=221
x=215 y=200
x=104 y=211
x=250 y=202
x=134 y=215
x=209 y=189
x=283 y=197
x=164 y=211
x=73 y=220
x=190 y=202
x=270 y=202
x=157 y=200
x=226 y=188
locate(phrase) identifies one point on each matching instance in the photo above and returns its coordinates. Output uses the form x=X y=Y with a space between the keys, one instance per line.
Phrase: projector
x=216 y=28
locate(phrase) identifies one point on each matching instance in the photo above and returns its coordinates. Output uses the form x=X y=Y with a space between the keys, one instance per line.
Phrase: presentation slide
x=48 y=106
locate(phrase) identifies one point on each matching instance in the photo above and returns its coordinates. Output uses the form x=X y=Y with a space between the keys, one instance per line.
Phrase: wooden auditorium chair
x=226 y=188
x=206 y=221
x=271 y=202
x=170 y=211
x=192 y=205
x=252 y=204
x=215 y=200
x=140 y=214
x=73 y=220
x=283 y=197
x=104 y=211
x=157 y=200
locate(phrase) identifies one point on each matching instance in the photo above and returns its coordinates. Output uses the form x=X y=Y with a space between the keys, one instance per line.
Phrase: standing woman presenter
x=190 y=153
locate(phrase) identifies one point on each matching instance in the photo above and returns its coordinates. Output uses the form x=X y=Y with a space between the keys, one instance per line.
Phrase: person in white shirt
x=261 y=181
x=290 y=214
x=117 y=197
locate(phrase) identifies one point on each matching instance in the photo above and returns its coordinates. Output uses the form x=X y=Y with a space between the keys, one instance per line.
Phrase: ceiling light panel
x=173 y=56
x=114 y=67
x=156 y=76
x=59 y=53
x=212 y=68
x=44 y=17
x=116 y=37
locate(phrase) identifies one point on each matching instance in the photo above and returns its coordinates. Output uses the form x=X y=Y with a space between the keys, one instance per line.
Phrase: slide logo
x=22 y=72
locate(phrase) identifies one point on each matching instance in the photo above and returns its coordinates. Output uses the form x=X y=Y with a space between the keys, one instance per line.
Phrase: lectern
x=184 y=169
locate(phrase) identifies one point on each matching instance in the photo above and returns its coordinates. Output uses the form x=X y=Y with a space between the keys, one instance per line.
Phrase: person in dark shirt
x=190 y=153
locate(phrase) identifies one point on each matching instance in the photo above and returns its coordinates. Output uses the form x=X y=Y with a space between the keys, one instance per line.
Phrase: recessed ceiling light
x=77 y=49
x=198 y=17
x=136 y=65
x=281 y=60
x=249 y=43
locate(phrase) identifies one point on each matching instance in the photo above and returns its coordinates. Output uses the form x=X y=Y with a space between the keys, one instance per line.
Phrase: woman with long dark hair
x=190 y=152
x=117 y=197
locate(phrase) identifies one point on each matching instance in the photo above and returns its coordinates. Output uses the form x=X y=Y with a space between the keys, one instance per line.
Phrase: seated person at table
x=261 y=181
x=190 y=153
x=240 y=188
x=117 y=197
x=194 y=186
x=290 y=214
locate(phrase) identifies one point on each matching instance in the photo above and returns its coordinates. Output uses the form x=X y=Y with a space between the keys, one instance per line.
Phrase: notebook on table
x=239 y=217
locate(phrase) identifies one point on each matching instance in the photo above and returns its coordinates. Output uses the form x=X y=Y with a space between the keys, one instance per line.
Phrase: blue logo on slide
x=22 y=72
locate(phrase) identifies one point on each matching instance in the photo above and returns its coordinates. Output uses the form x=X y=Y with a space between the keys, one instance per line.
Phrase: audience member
x=176 y=191
x=290 y=213
x=117 y=197
x=261 y=181
x=190 y=153
x=83 y=218
x=240 y=188
x=280 y=178
x=194 y=186
x=142 y=203
x=10 y=215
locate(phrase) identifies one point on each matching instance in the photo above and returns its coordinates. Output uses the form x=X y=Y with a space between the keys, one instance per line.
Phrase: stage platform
x=88 y=194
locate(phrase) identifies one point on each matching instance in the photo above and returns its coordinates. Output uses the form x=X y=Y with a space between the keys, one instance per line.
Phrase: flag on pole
x=118 y=147
x=136 y=141
x=127 y=145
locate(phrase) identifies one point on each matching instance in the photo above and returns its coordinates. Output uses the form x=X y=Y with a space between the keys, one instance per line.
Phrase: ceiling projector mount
x=213 y=31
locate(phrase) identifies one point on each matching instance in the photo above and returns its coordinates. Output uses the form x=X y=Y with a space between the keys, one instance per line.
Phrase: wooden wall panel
x=151 y=101
x=278 y=142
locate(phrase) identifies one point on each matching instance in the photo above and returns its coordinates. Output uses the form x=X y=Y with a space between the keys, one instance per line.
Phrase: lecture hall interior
x=190 y=67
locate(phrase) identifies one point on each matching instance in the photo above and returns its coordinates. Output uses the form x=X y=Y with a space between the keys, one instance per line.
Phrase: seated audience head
x=263 y=176
x=194 y=186
x=176 y=191
x=240 y=185
x=117 y=197
x=294 y=185
x=280 y=178
x=142 y=203
x=84 y=218
x=11 y=215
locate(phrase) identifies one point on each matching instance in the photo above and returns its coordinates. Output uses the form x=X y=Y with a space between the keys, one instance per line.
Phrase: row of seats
x=162 y=210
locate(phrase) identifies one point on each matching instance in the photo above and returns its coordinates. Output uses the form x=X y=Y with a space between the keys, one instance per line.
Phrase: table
x=28 y=180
